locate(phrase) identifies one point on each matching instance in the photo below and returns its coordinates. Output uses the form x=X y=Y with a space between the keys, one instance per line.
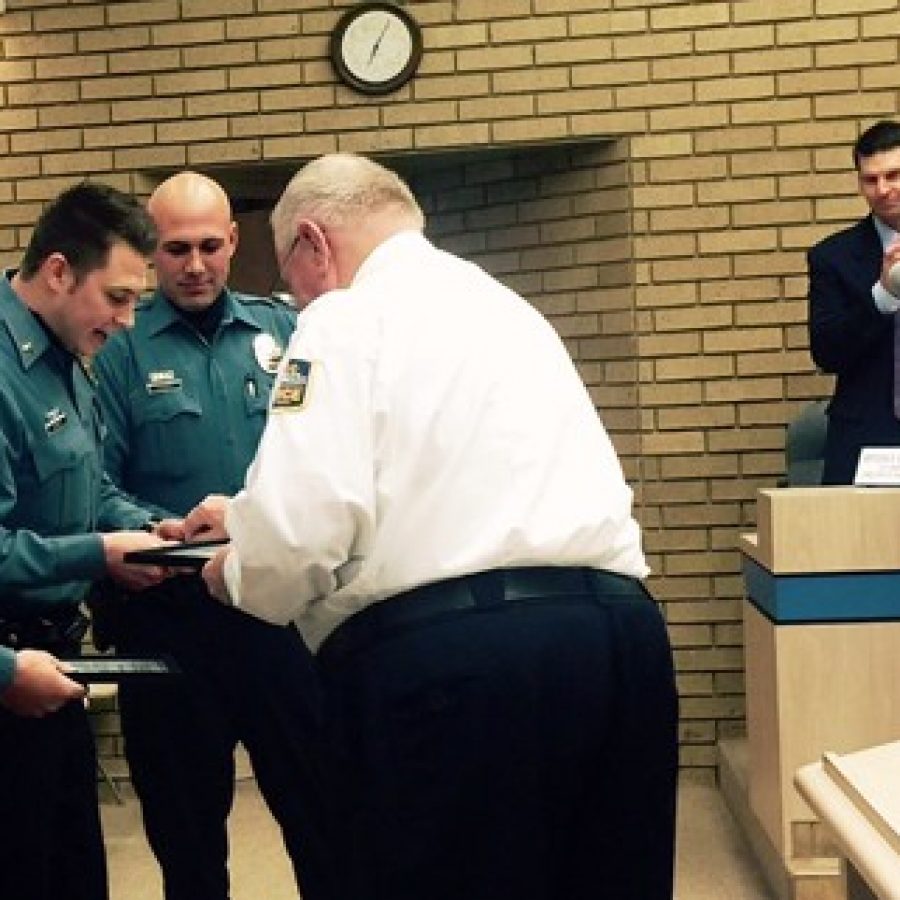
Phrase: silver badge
x=267 y=351
x=54 y=420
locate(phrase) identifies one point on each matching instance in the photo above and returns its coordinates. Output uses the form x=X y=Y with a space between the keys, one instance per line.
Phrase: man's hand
x=170 y=529
x=131 y=576
x=890 y=259
x=39 y=686
x=206 y=521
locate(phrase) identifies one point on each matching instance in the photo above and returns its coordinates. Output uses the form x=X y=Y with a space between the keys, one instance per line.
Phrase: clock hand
x=378 y=40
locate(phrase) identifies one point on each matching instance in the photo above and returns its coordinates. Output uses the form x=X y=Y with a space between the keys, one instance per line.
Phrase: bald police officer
x=185 y=395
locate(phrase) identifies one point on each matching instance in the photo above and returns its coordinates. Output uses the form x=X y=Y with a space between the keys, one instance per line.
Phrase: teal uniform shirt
x=54 y=496
x=184 y=415
x=7 y=666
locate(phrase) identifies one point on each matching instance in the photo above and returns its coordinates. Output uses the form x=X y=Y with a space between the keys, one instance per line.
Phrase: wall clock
x=376 y=47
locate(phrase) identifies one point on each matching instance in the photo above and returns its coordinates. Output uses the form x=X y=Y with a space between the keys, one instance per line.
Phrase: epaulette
x=285 y=300
x=251 y=299
x=273 y=301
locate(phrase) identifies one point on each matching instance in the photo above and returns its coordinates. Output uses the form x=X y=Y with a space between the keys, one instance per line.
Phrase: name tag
x=160 y=382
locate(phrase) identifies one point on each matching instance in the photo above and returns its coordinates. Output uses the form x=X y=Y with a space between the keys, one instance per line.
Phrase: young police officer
x=80 y=277
x=33 y=682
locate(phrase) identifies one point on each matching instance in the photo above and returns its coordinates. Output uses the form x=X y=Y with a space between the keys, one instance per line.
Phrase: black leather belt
x=57 y=632
x=482 y=590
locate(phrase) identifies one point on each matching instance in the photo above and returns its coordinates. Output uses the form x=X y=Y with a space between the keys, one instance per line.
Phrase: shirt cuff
x=232 y=574
x=885 y=301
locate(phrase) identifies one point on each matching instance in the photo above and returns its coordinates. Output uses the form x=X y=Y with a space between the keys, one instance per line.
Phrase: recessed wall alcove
x=553 y=222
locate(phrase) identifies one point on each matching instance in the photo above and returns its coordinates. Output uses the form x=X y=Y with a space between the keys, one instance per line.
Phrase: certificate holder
x=96 y=669
x=188 y=555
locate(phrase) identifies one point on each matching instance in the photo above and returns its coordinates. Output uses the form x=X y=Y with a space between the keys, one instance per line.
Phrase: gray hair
x=343 y=188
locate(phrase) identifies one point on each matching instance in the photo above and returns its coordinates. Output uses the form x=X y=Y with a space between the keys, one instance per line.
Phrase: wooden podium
x=822 y=654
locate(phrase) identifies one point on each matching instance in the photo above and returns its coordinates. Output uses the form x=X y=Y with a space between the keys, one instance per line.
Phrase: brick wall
x=649 y=173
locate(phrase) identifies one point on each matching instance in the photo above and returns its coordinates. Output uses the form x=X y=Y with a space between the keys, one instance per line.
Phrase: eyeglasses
x=287 y=256
x=279 y=283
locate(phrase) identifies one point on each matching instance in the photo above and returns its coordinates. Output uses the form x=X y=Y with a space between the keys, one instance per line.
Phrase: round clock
x=376 y=47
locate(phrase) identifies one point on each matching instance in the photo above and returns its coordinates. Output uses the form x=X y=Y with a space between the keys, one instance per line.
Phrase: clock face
x=376 y=49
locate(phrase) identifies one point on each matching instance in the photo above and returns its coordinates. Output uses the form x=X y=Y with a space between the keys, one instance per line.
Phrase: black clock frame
x=375 y=87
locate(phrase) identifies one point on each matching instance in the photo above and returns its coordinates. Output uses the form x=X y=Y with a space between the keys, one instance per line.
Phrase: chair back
x=804 y=447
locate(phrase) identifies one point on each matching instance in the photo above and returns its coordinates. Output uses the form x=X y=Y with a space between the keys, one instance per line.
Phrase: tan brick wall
x=658 y=170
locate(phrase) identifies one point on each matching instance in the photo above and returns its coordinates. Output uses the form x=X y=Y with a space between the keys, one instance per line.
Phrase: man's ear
x=233 y=237
x=57 y=273
x=316 y=238
x=321 y=254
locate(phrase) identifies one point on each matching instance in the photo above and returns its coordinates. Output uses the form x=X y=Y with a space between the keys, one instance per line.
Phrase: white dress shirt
x=444 y=430
x=886 y=302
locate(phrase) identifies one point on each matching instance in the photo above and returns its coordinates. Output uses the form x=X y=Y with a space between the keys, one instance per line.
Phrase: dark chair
x=804 y=446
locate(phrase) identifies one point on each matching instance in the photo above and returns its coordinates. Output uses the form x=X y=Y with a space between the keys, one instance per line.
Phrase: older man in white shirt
x=437 y=507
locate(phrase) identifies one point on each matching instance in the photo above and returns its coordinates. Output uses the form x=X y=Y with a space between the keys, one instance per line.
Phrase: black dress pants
x=51 y=846
x=242 y=680
x=521 y=744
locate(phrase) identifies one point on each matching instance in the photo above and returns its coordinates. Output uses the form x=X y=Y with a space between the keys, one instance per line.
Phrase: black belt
x=482 y=590
x=56 y=632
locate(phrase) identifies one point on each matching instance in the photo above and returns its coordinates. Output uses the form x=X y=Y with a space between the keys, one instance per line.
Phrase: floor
x=712 y=863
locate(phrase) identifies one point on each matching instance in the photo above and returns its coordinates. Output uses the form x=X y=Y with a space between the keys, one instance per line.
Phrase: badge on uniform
x=293 y=386
x=161 y=382
x=267 y=351
x=54 y=420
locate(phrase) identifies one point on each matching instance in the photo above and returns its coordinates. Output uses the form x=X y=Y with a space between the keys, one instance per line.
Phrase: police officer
x=80 y=277
x=185 y=395
x=437 y=506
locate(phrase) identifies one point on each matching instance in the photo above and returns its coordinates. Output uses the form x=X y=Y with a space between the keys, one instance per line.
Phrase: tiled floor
x=713 y=861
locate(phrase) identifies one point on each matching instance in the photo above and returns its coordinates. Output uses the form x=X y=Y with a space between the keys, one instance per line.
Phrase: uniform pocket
x=61 y=497
x=167 y=430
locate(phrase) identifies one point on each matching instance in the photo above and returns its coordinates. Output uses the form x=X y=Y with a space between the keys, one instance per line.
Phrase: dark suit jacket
x=850 y=338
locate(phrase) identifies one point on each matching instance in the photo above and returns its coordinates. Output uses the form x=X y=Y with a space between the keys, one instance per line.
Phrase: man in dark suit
x=852 y=310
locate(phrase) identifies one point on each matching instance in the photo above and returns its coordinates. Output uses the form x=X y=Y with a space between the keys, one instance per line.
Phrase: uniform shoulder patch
x=292 y=388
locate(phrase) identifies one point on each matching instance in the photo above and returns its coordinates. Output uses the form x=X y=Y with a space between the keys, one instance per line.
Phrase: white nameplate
x=878 y=466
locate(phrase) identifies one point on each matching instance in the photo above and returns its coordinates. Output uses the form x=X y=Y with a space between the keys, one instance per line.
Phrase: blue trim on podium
x=833 y=597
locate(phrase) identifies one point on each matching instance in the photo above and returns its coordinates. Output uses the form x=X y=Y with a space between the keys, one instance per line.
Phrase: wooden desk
x=858 y=796
x=821 y=642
